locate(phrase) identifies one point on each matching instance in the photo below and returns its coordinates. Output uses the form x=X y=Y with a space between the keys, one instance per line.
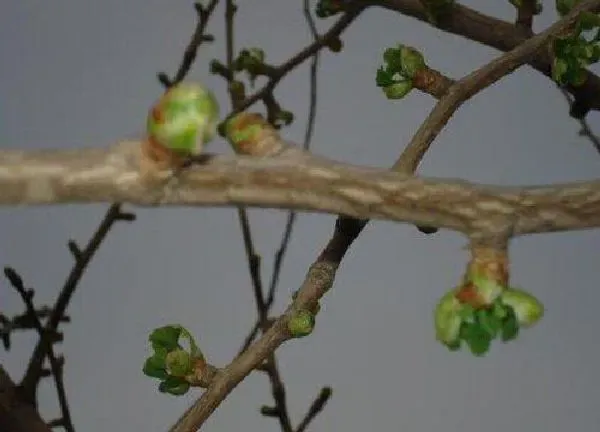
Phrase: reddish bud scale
x=157 y=115
x=160 y=155
x=490 y=263
x=250 y=134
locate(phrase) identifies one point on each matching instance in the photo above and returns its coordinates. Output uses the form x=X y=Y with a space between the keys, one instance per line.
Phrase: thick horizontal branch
x=295 y=180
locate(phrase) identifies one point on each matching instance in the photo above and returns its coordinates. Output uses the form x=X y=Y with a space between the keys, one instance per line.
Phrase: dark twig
x=316 y=407
x=46 y=339
x=22 y=322
x=280 y=411
x=282 y=70
x=504 y=36
x=585 y=131
x=31 y=379
x=312 y=111
x=278 y=388
x=525 y=13
x=254 y=261
x=198 y=37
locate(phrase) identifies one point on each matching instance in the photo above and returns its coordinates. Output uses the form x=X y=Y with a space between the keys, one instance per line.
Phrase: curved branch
x=503 y=36
x=479 y=79
x=295 y=180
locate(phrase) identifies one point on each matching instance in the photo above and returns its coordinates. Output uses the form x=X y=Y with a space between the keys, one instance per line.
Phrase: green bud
x=398 y=90
x=184 y=118
x=528 y=310
x=448 y=319
x=179 y=363
x=174 y=385
x=256 y=55
x=301 y=323
x=155 y=367
x=488 y=289
x=284 y=118
x=412 y=61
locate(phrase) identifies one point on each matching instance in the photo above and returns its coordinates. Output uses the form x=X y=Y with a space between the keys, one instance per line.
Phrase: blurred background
x=82 y=73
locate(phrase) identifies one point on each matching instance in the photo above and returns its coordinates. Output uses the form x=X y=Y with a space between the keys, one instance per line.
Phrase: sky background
x=81 y=73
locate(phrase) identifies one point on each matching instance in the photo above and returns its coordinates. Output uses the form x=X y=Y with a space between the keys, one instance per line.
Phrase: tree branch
x=503 y=36
x=319 y=279
x=32 y=376
x=47 y=340
x=191 y=50
x=476 y=81
x=298 y=180
x=16 y=414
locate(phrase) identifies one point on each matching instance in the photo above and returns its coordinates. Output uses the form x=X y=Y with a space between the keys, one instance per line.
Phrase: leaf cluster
x=480 y=327
x=395 y=76
x=574 y=52
x=171 y=363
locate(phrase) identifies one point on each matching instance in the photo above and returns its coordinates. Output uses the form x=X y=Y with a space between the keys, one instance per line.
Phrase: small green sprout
x=482 y=310
x=301 y=323
x=171 y=363
x=251 y=60
x=401 y=64
x=574 y=52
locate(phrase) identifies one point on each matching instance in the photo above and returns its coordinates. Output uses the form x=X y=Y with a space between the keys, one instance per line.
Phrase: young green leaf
x=166 y=337
x=489 y=322
x=448 y=319
x=155 y=367
x=174 y=385
x=477 y=338
x=510 y=326
x=179 y=363
x=525 y=307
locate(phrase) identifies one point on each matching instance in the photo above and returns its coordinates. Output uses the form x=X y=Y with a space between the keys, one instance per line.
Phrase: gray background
x=82 y=73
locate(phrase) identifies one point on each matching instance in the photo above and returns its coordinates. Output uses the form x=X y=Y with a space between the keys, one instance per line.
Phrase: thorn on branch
x=164 y=80
x=125 y=216
x=268 y=411
x=74 y=249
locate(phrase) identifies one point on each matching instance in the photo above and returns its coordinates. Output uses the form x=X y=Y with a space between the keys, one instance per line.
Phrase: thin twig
x=254 y=260
x=504 y=36
x=30 y=380
x=315 y=408
x=198 y=37
x=310 y=124
x=476 y=81
x=281 y=71
x=585 y=131
x=322 y=273
x=47 y=339
x=21 y=322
